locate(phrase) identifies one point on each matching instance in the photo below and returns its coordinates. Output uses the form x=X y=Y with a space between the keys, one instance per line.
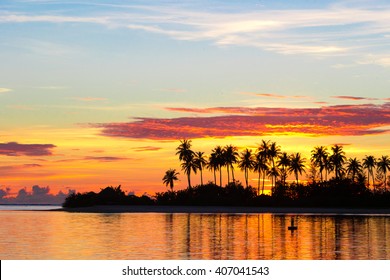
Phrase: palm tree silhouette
x=297 y=165
x=369 y=163
x=383 y=165
x=200 y=161
x=354 y=167
x=246 y=163
x=260 y=166
x=263 y=157
x=337 y=159
x=213 y=165
x=230 y=156
x=319 y=156
x=218 y=155
x=283 y=163
x=170 y=177
x=273 y=173
x=273 y=152
x=186 y=155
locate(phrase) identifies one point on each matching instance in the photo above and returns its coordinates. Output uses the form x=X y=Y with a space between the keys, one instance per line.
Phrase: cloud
x=326 y=31
x=16 y=149
x=104 y=158
x=147 y=149
x=348 y=97
x=274 y=95
x=90 y=99
x=175 y=90
x=37 y=195
x=4 y=90
x=362 y=119
x=19 y=167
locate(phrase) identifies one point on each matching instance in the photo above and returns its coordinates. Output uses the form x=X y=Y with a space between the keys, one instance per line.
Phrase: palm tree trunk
x=201 y=177
x=189 y=180
x=262 y=190
x=258 y=184
x=228 y=172
x=215 y=177
x=220 y=176
x=385 y=179
x=232 y=172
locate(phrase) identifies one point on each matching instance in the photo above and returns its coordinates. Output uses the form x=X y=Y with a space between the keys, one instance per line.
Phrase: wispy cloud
x=89 y=99
x=147 y=149
x=349 y=97
x=242 y=121
x=327 y=31
x=274 y=95
x=16 y=149
x=104 y=158
x=4 y=90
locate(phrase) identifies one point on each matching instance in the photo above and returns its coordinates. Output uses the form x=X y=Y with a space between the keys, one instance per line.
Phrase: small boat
x=292 y=227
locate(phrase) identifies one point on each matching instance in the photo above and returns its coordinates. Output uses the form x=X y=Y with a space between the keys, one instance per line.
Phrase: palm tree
x=246 y=163
x=186 y=155
x=297 y=165
x=383 y=165
x=283 y=162
x=230 y=155
x=354 y=167
x=213 y=165
x=218 y=155
x=369 y=164
x=200 y=161
x=170 y=177
x=337 y=159
x=273 y=152
x=260 y=166
x=263 y=157
x=319 y=156
x=273 y=172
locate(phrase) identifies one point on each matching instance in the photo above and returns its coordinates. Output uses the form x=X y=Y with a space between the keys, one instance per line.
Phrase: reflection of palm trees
x=337 y=159
x=186 y=155
x=369 y=164
x=170 y=177
x=297 y=165
x=319 y=156
x=246 y=163
x=230 y=156
x=383 y=166
x=354 y=167
x=283 y=163
x=200 y=161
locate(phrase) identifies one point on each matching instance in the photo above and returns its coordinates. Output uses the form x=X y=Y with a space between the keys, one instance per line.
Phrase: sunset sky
x=98 y=93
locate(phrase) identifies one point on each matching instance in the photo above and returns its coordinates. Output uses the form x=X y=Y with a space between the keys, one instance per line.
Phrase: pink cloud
x=241 y=121
x=16 y=149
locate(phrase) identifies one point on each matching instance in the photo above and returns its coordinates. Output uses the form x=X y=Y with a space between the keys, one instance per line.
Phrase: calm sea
x=60 y=235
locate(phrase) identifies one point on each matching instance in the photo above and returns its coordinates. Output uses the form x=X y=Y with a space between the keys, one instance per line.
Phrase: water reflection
x=57 y=235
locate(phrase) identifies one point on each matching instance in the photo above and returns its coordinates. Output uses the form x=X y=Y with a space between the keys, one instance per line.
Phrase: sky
x=99 y=93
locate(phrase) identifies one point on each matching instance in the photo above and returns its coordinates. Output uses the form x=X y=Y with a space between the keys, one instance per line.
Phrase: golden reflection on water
x=59 y=235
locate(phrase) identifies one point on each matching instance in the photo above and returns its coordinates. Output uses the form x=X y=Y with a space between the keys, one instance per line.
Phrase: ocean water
x=61 y=235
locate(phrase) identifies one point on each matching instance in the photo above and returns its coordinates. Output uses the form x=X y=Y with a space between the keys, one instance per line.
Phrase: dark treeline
x=332 y=180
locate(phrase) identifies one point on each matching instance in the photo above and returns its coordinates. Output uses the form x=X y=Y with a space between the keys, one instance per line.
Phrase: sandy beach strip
x=222 y=210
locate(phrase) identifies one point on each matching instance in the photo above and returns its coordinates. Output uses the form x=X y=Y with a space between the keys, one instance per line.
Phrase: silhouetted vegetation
x=349 y=186
x=107 y=196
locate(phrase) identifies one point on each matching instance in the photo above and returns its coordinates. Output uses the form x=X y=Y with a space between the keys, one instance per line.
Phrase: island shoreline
x=222 y=210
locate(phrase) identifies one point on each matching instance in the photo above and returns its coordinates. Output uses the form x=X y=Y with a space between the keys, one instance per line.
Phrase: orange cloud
x=241 y=121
